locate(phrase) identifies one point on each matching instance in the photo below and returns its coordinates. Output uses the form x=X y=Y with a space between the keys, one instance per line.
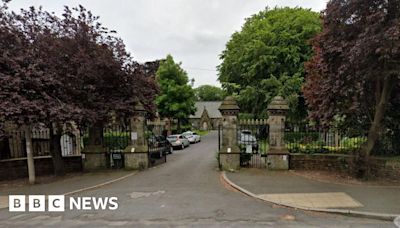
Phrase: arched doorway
x=205 y=126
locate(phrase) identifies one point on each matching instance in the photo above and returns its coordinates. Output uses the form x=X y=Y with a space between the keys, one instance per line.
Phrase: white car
x=193 y=137
x=178 y=141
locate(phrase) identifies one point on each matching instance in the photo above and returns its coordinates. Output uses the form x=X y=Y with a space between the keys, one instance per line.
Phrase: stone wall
x=17 y=168
x=326 y=162
x=229 y=161
x=387 y=168
x=381 y=167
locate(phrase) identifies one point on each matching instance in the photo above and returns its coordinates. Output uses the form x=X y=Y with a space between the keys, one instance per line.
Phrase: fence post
x=229 y=153
x=278 y=156
x=29 y=155
x=136 y=153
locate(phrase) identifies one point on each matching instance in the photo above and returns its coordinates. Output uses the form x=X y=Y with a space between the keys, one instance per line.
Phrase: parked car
x=247 y=139
x=193 y=137
x=159 y=142
x=178 y=141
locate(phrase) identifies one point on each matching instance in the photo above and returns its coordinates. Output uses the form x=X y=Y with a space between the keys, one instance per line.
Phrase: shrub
x=113 y=140
x=355 y=142
x=317 y=147
x=116 y=141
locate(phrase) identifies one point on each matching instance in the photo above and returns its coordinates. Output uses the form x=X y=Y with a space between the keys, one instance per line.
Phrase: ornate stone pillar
x=278 y=155
x=136 y=154
x=229 y=154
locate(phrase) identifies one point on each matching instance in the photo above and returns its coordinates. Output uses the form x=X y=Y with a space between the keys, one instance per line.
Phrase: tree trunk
x=169 y=128
x=178 y=128
x=374 y=130
x=55 y=150
x=29 y=155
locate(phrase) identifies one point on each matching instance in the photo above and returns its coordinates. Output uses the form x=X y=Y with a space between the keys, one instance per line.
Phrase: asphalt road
x=186 y=191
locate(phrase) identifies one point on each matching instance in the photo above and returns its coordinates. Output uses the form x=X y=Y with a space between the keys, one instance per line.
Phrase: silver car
x=178 y=141
x=193 y=137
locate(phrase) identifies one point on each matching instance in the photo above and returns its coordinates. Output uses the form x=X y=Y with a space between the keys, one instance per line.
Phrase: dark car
x=158 y=143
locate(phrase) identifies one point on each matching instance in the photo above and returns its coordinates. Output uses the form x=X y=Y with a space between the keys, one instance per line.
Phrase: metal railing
x=116 y=137
x=13 y=144
x=302 y=138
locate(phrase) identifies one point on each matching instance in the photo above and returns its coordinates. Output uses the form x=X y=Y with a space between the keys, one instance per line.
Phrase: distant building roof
x=210 y=106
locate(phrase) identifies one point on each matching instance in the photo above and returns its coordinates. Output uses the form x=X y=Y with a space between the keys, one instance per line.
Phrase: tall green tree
x=176 y=98
x=355 y=73
x=266 y=58
x=209 y=93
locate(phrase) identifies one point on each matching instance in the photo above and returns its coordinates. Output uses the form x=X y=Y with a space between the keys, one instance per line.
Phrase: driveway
x=186 y=191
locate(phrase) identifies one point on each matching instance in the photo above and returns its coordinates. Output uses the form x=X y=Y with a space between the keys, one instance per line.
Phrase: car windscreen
x=247 y=137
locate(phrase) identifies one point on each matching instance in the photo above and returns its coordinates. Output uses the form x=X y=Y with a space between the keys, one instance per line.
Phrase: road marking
x=136 y=195
x=100 y=185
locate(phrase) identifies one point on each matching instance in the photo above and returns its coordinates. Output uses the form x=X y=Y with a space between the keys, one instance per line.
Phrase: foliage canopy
x=176 y=98
x=354 y=74
x=266 y=59
x=70 y=68
x=209 y=93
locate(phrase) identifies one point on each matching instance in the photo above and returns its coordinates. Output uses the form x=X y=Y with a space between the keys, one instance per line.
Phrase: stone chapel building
x=207 y=116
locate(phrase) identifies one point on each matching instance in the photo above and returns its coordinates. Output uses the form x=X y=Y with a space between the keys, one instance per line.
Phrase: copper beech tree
x=354 y=74
x=55 y=70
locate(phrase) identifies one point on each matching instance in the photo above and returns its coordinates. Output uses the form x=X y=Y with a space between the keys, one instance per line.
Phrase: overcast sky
x=193 y=31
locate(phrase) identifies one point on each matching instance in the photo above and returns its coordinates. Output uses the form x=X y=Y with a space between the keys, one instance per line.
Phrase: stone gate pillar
x=229 y=154
x=278 y=155
x=95 y=155
x=136 y=153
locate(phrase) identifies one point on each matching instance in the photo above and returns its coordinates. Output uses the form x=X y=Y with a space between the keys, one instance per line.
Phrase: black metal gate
x=157 y=142
x=252 y=139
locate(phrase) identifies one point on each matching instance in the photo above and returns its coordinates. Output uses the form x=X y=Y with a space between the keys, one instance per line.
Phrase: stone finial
x=229 y=107
x=139 y=108
x=278 y=105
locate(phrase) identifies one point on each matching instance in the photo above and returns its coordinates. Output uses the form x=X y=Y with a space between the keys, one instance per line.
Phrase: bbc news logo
x=57 y=203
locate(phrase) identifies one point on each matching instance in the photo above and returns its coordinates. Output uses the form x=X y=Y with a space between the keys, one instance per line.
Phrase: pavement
x=187 y=191
x=66 y=186
x=287 y=188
